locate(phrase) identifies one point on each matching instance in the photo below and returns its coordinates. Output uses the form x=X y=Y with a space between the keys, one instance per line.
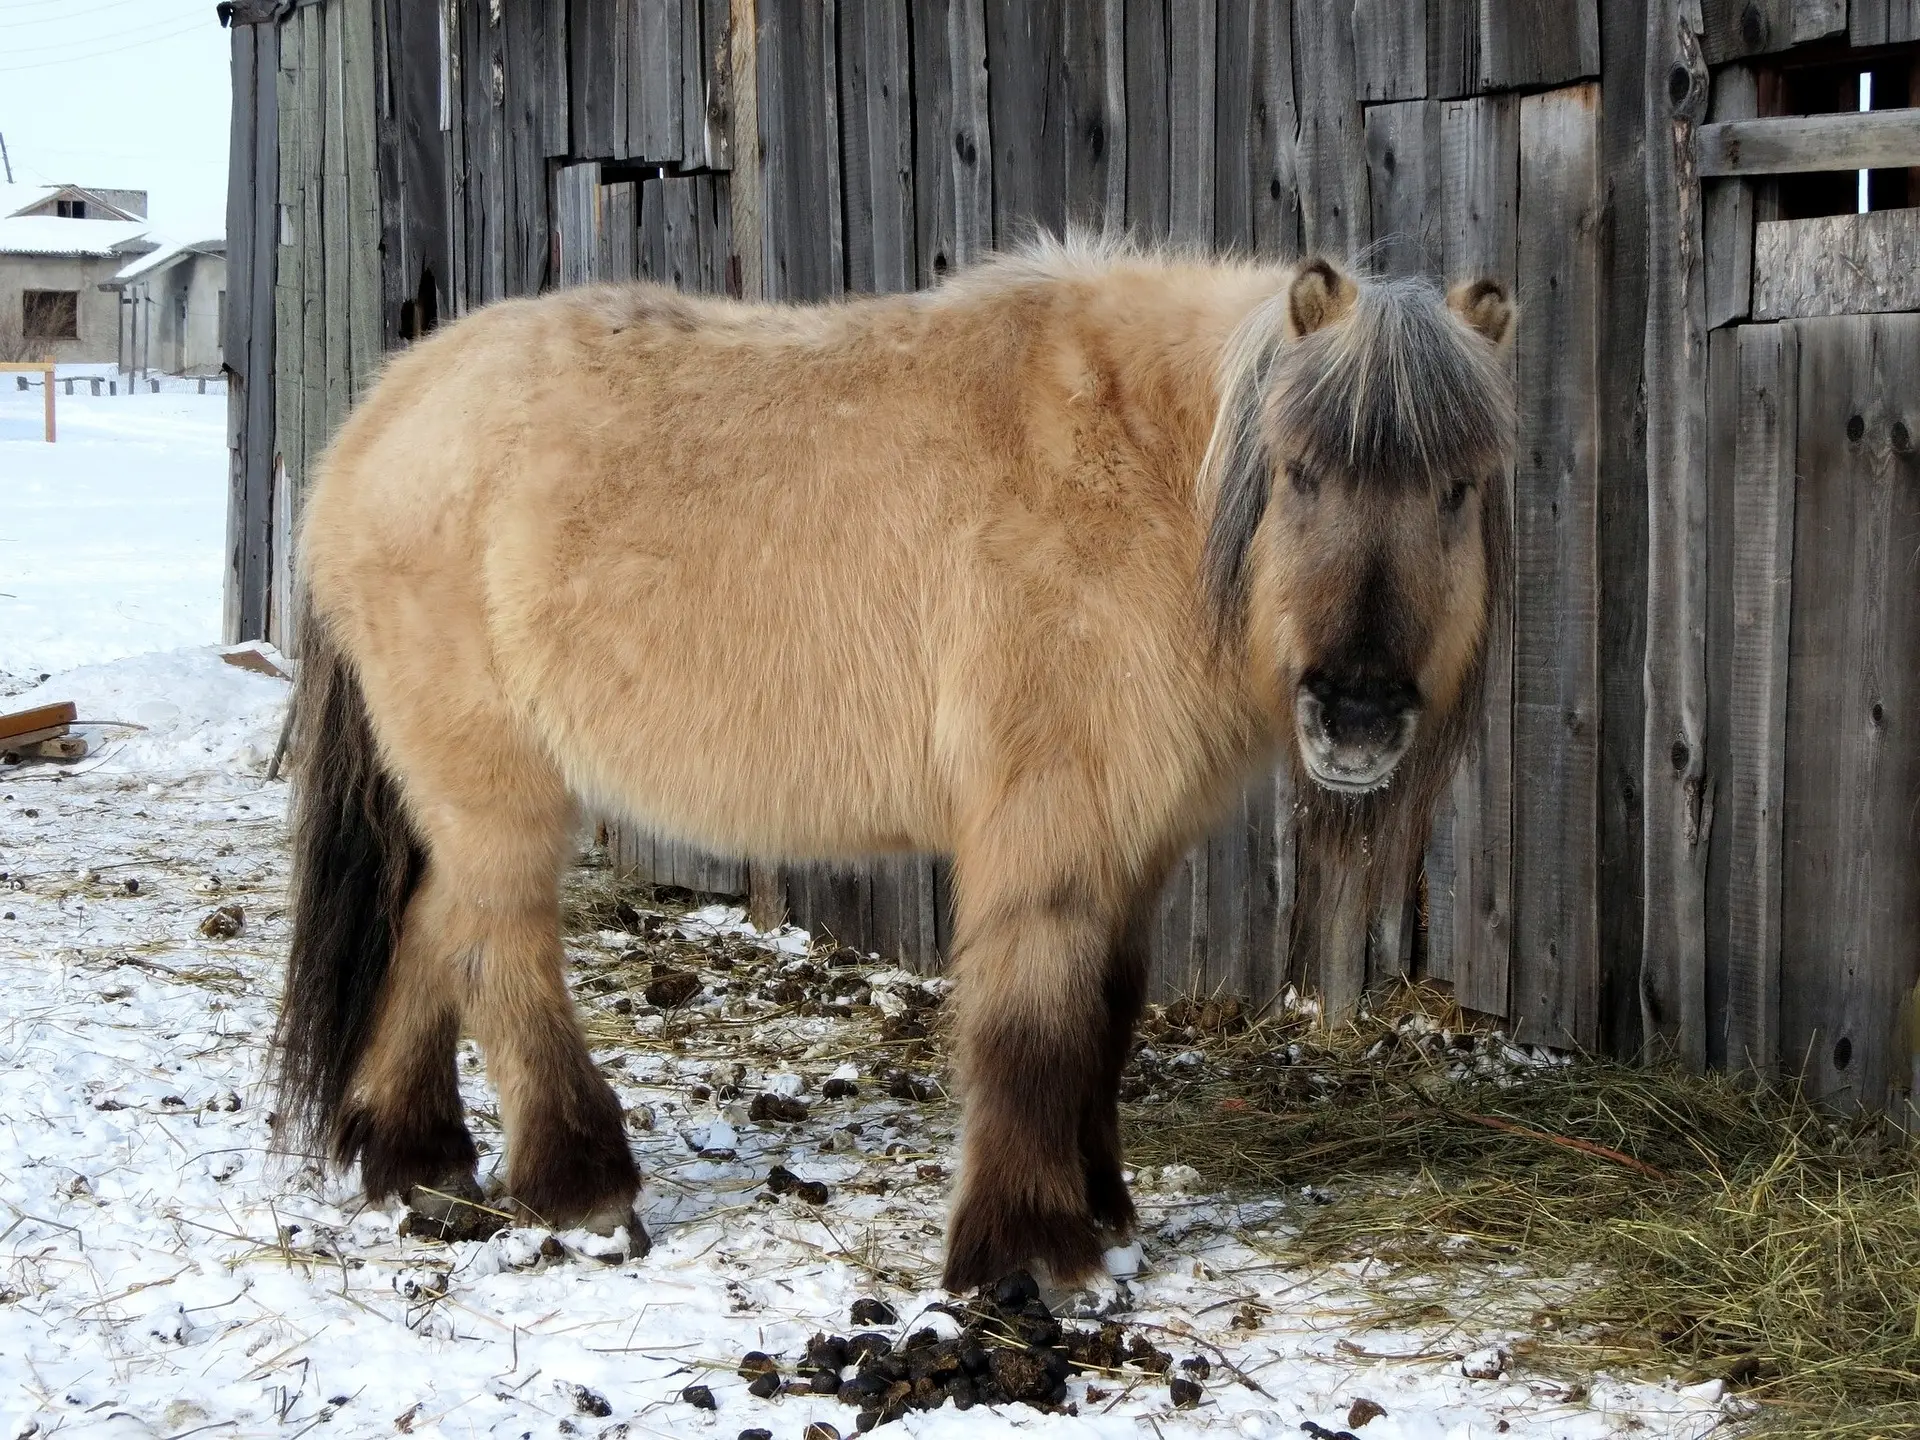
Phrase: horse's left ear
x=1484 y=306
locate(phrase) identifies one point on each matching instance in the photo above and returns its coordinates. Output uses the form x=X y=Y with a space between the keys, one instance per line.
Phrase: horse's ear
x=1320 y=294
x=1484 y=306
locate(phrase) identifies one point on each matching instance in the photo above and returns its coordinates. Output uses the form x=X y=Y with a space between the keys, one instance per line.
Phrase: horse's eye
x=1456 y=496
x=1303 y=482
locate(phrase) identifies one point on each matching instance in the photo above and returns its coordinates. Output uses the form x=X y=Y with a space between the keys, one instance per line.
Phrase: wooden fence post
x=1679 y=797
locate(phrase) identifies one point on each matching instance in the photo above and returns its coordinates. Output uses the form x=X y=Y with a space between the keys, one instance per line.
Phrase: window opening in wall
x=1826 y=84
x=50 y=314
x=70 y=209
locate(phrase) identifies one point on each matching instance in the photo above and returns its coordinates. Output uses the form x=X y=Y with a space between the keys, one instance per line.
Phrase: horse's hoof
x=453 y=1208
x=611 y=1244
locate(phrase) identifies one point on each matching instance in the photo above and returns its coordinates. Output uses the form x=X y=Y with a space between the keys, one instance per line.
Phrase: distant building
x=83 y=279
x=174 y=308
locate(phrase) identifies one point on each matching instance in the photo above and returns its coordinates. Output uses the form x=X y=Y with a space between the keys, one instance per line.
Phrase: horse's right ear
x=1484 y=306
x=1320 y=294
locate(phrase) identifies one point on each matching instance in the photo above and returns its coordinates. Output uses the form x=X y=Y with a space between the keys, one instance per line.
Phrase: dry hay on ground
x=1675 y=1223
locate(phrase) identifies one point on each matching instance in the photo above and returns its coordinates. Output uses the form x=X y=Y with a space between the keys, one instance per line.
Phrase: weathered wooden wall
x=1652 y=844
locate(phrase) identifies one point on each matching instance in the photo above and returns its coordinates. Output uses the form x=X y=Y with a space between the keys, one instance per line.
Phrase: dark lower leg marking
x=568 y=1162
x=413 y=1131
x=1100 y=1147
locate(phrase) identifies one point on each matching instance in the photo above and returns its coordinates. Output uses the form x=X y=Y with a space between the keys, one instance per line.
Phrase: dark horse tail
x=356 y=863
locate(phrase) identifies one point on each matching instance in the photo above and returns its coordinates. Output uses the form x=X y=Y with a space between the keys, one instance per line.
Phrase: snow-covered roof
x=16 y=200
x=168 y=253
x=55 y=235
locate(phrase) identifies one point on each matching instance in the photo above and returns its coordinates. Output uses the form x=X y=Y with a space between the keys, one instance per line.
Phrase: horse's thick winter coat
x=1033 y=570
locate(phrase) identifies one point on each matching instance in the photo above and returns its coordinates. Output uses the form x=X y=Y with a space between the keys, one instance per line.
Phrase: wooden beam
x=1679 y=806
x=1791 y=144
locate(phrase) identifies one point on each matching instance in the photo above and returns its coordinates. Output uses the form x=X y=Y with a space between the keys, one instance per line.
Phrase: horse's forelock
x=1396 y=392
x=1399 y=392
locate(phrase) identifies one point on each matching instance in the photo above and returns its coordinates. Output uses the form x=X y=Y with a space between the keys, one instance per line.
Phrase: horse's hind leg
x=481 y=942
x=1033 y=1049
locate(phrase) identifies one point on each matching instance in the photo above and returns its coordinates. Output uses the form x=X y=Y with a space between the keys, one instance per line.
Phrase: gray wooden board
x=953 y=153
x=1883 y=22
x=1622 y=528
x=1236 y=122
x=1850 y=891
x=1815 y=19
x=1332 y=151
x=654 y=111
x=335 y=253
x=1723 y=409
x=1537 y=42
x=527 y=192
x=576 y=222
x=1555 y=977
x=1675 y=785
x=314 y=247
x=1029 y=140
x=1728 y=217
x=1190 y=130
x=1093 y=66
x=1789 y=144
x=876 y=145
x=1274 y=134
x=1767 y=381
x=597 y=110
x=618 y=233
x=1837 y=265
x=1390 y=49
x=1453 y=48
x=1734 y=28
x=693 y=87
x=364 y=329
x=1469 y=863
x=800 y=150
x=744 y=185
x=1404 y=180
x=1148 y=176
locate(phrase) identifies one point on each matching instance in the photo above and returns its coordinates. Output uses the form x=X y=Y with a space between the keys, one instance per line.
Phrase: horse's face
x=1361 y=498
x=1383 y=594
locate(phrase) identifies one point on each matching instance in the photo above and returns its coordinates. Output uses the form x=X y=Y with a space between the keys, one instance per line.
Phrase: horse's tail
x=356 y=863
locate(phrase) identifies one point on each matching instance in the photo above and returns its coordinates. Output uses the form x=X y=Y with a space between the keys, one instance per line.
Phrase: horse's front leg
x=1035 y=1042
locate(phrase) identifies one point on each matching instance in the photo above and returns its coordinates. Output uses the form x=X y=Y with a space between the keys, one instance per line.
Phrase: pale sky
x=120 y=93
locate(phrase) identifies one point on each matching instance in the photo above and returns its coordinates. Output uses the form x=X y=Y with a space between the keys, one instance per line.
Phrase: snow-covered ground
x=110 y=538
x=162 y=1273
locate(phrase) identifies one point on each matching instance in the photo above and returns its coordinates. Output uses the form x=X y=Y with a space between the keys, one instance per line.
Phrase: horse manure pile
x=1618 y=1216
x=1009 y=1348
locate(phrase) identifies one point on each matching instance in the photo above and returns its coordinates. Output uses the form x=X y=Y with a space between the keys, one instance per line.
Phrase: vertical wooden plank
x=876 y=145
x=1236 y=124
x=1622 y=521
x=717 y=94
x=590 y=68
x=800 y=146
x=654 y=113
x=1470 y=861
x=234 y=339
x=1404 y=181
x=713 y=224
x=1816 y=19
x=1882 y=22
x=746 y=185
x=1028 y=118
x=1765 y=443
x=1333 y=157
x=315 y=245
x=1733 y=28
x=1390 y=48
x=618 y=233
x=1723 y=402
x=1148 y=124
x=1727 y=216
x=1093 y=48
x=1555 y=978
x=1851 y=890
x=1190 y=107
x=1537 y=42
x=1678 y=803
x=953 y=156
x=1275 y=130
x=1230 y=854
x=335 y=215
x=576 y=220
x=1453 y=49
x=692 y=89
x=553 y=85
x=361 y=154
x=529 y=225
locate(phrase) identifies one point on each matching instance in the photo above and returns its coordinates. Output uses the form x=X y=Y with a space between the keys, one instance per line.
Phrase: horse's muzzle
x=1353 y=734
